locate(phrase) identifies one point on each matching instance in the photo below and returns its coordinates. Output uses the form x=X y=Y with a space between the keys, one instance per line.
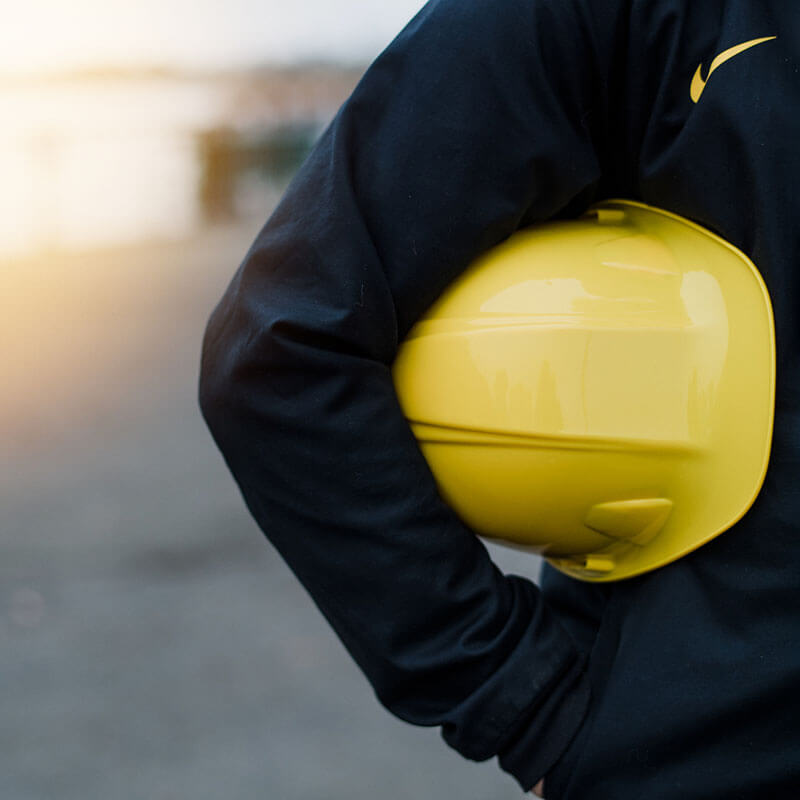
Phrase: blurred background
x=153 y=644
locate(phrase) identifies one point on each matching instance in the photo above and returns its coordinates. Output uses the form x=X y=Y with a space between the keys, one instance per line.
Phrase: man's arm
x=483 y=115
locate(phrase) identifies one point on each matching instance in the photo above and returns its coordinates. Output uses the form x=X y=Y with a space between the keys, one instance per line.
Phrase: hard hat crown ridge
x=600 y=390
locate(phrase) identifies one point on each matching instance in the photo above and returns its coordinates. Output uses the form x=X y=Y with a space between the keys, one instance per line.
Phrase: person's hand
x=538 y=790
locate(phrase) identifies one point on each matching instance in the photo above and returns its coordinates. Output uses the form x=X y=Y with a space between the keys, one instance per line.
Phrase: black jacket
x=481 y=117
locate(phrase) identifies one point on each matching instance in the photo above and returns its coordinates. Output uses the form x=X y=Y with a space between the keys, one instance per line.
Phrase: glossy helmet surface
x=600 y=390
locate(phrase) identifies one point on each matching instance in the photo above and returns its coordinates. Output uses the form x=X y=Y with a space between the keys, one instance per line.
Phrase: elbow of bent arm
x=223 y=362
x=250 y=362
x=215 y=388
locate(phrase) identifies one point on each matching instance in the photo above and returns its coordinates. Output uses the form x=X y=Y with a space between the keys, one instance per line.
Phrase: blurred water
x=95 y=162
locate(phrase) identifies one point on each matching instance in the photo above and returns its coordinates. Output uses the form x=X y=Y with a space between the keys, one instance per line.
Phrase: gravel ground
x=154 y=646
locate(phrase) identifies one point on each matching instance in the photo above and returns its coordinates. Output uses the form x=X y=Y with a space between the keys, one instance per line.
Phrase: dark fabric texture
x=484 y=116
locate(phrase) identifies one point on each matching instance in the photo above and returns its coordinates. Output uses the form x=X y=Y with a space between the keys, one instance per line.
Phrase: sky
x=52 y=35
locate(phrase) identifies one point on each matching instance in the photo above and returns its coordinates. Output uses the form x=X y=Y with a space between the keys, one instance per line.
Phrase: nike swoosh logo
x=698 y=84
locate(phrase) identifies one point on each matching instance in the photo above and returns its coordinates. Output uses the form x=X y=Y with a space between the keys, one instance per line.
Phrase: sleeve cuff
x=548 y=730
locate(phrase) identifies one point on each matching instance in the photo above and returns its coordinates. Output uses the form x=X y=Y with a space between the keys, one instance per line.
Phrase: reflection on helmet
x=600 y=390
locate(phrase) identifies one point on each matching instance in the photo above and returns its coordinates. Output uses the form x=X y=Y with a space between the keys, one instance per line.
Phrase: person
x=482 y=117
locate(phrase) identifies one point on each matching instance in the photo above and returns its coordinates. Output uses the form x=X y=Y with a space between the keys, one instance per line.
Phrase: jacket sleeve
x=483 y=115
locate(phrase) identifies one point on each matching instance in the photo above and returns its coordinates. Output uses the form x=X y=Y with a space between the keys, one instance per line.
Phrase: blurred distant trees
x=228 y=156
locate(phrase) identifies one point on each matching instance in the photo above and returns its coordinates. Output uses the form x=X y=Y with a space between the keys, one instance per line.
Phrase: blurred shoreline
x=157 y=71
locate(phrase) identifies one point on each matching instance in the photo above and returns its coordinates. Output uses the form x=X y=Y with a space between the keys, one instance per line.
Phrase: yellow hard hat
x=600 y=390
